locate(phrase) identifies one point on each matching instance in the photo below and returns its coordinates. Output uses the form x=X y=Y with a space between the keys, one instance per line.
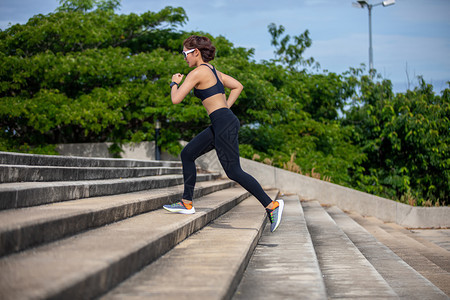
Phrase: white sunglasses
x=185 y=53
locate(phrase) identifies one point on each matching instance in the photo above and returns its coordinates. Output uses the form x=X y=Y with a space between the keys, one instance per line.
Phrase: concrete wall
x=345 y=198
x=144 y=151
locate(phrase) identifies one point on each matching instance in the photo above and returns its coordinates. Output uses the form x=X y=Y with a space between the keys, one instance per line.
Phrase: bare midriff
x=214 y=103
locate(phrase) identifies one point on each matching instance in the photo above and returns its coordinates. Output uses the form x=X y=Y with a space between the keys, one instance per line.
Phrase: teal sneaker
x=275 y=215
x=180 y=207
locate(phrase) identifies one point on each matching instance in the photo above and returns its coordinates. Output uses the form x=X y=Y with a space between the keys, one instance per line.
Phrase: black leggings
x=222 y=135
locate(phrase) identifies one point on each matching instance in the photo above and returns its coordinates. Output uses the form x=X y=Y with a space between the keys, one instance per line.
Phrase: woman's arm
x=178 y=93
x=235 y=86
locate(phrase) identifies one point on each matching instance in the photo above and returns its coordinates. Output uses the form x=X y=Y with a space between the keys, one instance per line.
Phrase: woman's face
x=190 y=56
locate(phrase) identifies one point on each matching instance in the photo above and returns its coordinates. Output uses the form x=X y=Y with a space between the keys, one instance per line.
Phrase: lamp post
x=157 y=128
x=362 y=4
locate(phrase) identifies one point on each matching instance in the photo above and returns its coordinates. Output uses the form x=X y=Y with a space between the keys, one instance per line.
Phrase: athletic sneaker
x=275 y=215
x=180 y=207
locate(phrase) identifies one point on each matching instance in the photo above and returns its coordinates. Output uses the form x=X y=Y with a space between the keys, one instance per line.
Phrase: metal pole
x=157 y=152
x=362 y=4
x=370 y=39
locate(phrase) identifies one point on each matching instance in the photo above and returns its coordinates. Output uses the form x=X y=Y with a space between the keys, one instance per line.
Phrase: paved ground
x=440 y=237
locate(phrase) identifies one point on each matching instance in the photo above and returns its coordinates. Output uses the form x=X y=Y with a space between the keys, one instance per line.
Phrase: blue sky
x=410 y=38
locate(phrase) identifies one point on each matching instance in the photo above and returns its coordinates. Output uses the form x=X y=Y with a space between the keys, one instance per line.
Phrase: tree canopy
x=87 y=74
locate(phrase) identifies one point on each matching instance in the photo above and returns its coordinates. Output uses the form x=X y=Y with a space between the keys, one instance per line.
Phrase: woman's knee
x=235 y=174
x=186 y=155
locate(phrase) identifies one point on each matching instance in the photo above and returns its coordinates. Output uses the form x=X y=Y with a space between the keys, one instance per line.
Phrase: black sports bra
x=218 y=88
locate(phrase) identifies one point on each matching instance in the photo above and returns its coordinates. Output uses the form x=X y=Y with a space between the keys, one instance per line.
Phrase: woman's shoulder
x=200 y=71
x=195 y=72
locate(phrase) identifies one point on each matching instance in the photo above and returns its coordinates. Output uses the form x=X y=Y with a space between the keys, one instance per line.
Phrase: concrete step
x=284 y=264
x=433 y=252
x=207 y=265
x=431 y=238
x=346 y=272
x=404 y=280
x=21 y=173
x=409 y=250
x=26 y=194
x=91 y=263
x=26 y=227
x=12 y=158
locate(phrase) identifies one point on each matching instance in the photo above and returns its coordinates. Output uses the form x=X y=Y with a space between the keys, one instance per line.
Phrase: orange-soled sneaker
x=275 y=214
x=180 y=207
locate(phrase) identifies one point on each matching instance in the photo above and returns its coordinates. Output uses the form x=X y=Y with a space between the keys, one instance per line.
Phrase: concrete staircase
x=84 y=228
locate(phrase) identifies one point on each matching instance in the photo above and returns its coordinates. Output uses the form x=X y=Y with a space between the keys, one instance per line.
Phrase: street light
x=157 y=128
x=362 y=4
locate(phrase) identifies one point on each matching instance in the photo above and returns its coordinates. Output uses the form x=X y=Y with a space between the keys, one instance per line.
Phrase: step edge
x=18 y=174
x=90 y=218
x=84 y=189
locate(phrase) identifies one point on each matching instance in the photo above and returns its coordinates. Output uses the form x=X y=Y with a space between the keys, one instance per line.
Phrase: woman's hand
x=177 y=78
x=235 y=87
x=178 y=92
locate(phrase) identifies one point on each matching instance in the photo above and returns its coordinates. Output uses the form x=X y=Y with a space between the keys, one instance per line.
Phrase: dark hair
x=203 y=44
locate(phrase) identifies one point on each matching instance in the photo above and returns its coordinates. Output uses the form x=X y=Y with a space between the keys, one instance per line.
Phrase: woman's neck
x=199 y=63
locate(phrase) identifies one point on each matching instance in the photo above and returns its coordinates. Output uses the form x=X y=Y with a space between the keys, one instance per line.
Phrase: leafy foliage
x=87 y=74
x=406 y=140
x=291 y=54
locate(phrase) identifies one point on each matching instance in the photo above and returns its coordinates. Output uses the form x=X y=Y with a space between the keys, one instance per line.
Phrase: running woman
x=209 y=85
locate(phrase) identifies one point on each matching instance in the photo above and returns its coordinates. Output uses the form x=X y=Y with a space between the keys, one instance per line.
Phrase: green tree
x=84 y=74
x=406 y=142
x=85 y=5
x=291 y=54
x=87 y=74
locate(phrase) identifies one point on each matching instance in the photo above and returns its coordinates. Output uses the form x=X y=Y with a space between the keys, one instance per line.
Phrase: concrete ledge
x=333 y=194
x=25 y=194
x=142 y=150
x=12 y=158
x=21 y=173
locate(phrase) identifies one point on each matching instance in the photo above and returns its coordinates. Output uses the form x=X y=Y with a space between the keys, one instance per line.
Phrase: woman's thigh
x=199 y=145
x=227 y=142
